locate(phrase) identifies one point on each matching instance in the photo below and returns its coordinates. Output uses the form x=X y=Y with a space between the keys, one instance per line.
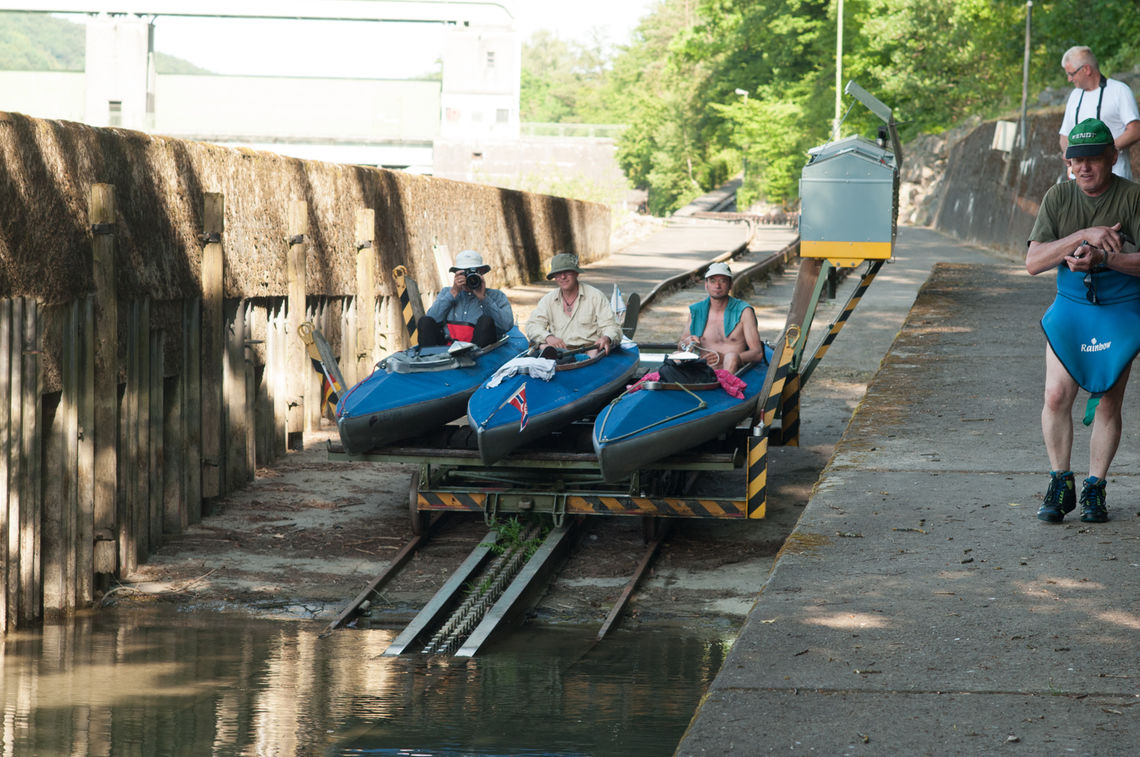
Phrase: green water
x=161 y=682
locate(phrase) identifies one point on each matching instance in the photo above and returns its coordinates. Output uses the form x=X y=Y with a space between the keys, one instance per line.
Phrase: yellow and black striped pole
x=400 y=275
x=790 y=411
x=841 y=319
x=757 y=470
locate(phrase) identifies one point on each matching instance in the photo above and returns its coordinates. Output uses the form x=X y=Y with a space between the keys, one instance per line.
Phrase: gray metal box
x=849 y=202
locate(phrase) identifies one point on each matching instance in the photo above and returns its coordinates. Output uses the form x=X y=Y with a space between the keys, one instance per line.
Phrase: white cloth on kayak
x=537 y=367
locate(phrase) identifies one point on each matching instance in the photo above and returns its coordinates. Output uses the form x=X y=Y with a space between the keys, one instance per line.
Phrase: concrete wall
x=959 y=184
x=48 y=167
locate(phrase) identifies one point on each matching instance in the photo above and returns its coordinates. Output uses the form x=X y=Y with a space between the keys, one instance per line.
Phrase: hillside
x=40 y=42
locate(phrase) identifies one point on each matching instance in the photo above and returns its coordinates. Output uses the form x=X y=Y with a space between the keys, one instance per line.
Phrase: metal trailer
x=562 y=478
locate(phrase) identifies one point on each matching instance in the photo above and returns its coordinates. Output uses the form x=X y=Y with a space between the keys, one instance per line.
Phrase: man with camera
x=1084 y=232
x=467 y=311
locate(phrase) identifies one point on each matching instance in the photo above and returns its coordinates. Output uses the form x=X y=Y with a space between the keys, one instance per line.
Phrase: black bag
x=687 y=372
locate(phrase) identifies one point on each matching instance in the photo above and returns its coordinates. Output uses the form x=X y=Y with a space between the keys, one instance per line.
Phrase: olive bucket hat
x=563 y=261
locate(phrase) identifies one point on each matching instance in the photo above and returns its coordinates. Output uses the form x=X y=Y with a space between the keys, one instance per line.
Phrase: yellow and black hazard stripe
x=664 y=507
x=840 y=321
x=598 y=505
x=790 y=411
x=757 y=493
x=783 y=368
x=406 y=304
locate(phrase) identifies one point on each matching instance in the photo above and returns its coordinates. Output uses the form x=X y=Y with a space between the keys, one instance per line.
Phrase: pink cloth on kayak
x=728 y=381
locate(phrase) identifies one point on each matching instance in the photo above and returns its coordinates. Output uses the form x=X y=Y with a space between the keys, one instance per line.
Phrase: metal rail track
x=494 y=584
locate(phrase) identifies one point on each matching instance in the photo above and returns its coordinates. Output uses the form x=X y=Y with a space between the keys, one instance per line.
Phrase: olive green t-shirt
x=1065 y=209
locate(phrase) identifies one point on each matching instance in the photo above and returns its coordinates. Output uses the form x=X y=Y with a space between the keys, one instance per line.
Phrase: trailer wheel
x=419 y=520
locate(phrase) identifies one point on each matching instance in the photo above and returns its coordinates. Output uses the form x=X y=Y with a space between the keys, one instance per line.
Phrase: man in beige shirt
x=573 y=315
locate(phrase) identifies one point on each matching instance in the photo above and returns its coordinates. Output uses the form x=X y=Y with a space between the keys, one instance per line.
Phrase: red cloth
x=728 y=381
x=460 y=332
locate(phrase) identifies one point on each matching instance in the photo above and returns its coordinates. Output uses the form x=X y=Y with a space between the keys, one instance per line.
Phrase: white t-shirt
x=1117 y=110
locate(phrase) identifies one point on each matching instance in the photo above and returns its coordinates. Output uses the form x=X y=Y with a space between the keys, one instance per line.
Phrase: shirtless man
x=721 y=327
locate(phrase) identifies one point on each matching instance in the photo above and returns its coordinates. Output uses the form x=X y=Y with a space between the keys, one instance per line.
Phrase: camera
x=474 y=279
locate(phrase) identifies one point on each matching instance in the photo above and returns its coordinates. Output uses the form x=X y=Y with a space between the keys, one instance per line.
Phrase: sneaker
x=1060 y=499
x=1093 y=508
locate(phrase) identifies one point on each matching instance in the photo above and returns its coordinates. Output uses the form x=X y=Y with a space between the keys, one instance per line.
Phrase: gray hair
x=1079 y=54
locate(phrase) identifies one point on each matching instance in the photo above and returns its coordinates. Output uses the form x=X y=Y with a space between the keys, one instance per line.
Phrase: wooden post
x=260 y=385
x=366 y=254
x=85 y=455
x=61 y=534
x=277 y=362
x=174 y=505
x=128 y=447
x=31 y=566
x=16 y=503
x=296 y=358
x=106 y=421
x=249 y=370
x=213 y=345
x=237 y=413
x=9 y=515
x=155 y=418
x=192 y=409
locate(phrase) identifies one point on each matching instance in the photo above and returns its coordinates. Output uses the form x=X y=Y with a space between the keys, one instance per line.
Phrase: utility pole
x=838 y=70
x=1024 y=72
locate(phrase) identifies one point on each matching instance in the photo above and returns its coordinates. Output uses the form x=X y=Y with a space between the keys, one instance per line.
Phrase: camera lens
x=474 y=280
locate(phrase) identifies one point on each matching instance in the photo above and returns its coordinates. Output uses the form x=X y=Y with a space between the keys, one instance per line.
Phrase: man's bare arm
x=1044 y=256
x=755 y=351
x=1128 y=137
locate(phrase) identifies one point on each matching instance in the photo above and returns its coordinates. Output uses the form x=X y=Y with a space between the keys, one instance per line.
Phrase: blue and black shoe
x=1093 y=507
x=1061 y=498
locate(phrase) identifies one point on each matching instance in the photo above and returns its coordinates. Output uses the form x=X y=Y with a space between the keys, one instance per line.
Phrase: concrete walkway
x=679 y=246
x=919 y=607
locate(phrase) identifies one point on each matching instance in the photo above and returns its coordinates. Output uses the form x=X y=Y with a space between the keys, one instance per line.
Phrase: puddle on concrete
x=162 y=682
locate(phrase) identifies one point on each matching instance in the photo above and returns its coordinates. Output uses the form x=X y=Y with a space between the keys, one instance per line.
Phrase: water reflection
x=157 y=682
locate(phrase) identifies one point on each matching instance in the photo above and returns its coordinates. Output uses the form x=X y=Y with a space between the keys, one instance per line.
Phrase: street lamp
x=744 y=155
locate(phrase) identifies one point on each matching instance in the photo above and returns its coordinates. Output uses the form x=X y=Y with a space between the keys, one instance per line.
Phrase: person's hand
x=1086 y=258
x=481 y=291
x=1105 y=238
x=554 y=341
x=603 y=343
x=688 y=342
x=458 y=283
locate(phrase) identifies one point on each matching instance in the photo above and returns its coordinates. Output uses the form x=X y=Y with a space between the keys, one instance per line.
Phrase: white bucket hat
x=469 y=259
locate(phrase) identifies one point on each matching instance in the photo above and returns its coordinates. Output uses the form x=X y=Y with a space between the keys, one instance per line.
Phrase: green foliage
x=512 y=533
x=39 y=42
x=562 y=81
x=935 y=63
x=42 y=42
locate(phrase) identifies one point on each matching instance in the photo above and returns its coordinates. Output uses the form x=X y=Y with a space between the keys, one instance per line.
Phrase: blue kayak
x=660 y=419
x=418 y=390
x=523 y=408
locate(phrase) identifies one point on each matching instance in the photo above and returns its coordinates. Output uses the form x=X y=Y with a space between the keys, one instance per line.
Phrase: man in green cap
x=1084 y=231
x=573 y=315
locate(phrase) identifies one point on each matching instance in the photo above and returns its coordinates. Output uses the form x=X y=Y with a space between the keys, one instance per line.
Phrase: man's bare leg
x=1057 y=412
x=1106 y=428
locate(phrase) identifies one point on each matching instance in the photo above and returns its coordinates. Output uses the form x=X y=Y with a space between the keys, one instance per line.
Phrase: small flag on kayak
x=617 y=302
x=329 y=392
x=518 y=402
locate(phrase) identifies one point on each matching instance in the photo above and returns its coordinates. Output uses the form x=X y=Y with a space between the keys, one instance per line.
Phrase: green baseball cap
x=1088 y=138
